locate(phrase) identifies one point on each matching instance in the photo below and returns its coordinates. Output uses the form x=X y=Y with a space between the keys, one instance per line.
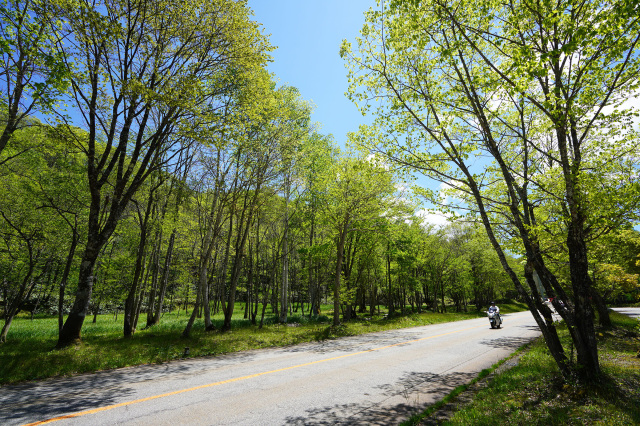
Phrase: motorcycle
x=494 y=319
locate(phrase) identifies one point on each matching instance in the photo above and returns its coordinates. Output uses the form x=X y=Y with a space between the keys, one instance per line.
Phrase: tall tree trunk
x=156 y=306
x=284 y=288
x=8 y=319
x=130 y=304
x=186 y=333
x=225 y=263
x=155 y=318
x=265 y=301
x=339 y=258
x=313 y=288
x=586 y=346
x=390 y=307
x=70 y=332
x=154 y=265
x=65 y=277
x=250 y=285
x=136 y=314
x=258 y=275
x=601 y=306
x=213 y=225
x=244 y=226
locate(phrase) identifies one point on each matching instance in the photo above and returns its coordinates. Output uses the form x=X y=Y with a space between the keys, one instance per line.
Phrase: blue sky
x=308 y=34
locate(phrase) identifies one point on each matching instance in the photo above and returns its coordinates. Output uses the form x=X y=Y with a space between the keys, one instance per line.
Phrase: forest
x=170 y=208
x=150 y=163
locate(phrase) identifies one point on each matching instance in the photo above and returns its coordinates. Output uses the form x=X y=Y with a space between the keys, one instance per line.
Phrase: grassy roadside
x=29 y=354
x=533 y=392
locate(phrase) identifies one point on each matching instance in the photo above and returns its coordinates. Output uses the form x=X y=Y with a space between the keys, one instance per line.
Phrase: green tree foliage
x=356 y=194
x=386 y=254
x=167 y=67
x=39 y=206
x=517 y=109
x=32 y=72
x=180 y=177
x=615 y=260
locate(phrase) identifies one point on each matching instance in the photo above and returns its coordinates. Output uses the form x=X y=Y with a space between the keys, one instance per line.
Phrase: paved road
x=379 y=378
x=632 y=312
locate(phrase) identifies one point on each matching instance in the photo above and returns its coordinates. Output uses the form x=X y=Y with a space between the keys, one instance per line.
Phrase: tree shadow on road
x=507 y=342
x=411 y=394
x=364 y=342
x=38 y=401
x=53 y=398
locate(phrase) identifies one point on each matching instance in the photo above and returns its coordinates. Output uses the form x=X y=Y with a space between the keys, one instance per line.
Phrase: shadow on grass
x=624 y=392
x=534 y=392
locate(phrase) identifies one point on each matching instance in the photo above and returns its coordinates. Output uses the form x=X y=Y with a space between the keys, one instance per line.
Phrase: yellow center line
x=237 y=379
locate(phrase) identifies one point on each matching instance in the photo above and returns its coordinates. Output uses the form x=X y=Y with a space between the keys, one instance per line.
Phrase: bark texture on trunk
x=337 y=281
x=72 y=327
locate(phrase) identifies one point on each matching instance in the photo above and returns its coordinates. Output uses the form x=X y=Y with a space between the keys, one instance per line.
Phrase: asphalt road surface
x=380 y=378
x=632 y=312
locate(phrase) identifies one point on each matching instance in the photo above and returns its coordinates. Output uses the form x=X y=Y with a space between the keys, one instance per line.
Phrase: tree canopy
x=150 y=164
x=517 y=108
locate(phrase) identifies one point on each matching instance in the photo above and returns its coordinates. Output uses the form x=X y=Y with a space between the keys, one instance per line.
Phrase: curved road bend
x=380 y=378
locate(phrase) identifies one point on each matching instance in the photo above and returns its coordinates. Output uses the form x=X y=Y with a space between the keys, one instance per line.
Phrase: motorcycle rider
x=494 y=308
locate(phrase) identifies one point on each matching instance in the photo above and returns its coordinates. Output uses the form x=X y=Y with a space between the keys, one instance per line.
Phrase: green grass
x=29 y=352
x=511 y=306
x=533 y=392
